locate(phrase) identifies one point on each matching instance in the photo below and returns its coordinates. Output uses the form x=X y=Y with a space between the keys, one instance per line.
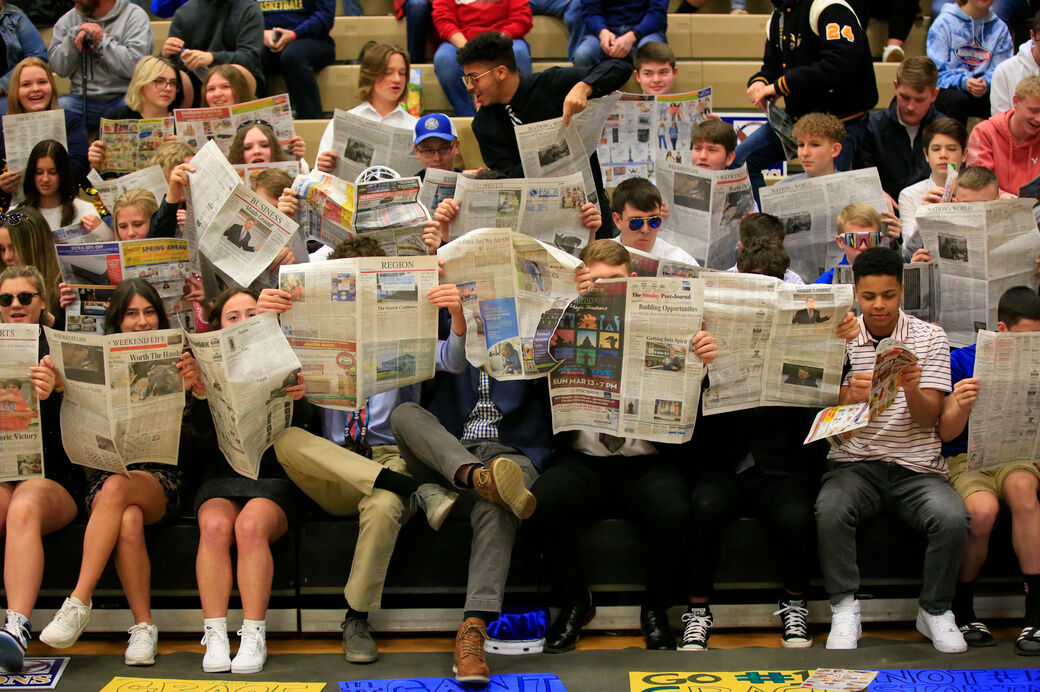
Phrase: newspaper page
x=514 y=289
x=704 y=210
x=130 y=144
x=22 y=132
x=921 y=296
x=627 y=366
x=124 y=400
x=781 y=342
x=149 y=178
x=79 y=233
x=93 y=270
x=644 y=264
x=246 y=368
x=590 y=121
x=361 y=143
x=438 y=185
x=547 y=209
x=842 y=422
x=249 y=171
x=194 y=126
x=327 y=207
x=1004 y=426
x=390 y=212
x=809 y=209
x=548 y=149
x=361 y=326
x=21 y=432
x=983 y=249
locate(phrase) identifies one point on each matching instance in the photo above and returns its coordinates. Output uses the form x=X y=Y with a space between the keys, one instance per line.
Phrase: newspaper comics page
x=514 y=289
x=149 y=178
x=21 y=433
x=130 y=144
x=1005 y=419
x=362 y=143
x=246 y=368
x=123 y=399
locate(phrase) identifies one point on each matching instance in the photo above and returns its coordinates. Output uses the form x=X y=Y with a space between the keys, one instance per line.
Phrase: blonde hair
x=138 y=198
x=373 y=67
x=819 y=125
x=170 y=155
x=976 y=178
x=859 y=214
x=14 y=104
x=147 y=69
x=272 y=181
x=608 y=252
x=25 y=271
x=1029 y=86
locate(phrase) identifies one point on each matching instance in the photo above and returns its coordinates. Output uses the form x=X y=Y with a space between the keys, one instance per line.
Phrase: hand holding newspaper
x=22 y=132
x=390 y=212
x=842 y=422
x=246 y=368
x=123 y=400
x=514 y=289
x=21 y=432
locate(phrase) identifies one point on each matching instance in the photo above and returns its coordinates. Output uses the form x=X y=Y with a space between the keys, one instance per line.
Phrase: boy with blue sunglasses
x=636 y=206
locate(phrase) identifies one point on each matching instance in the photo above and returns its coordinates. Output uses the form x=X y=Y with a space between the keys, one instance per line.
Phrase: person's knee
x=982 y=508
x=1020 y=488
x=947 y=518
x=24 y=515
x=382 y=508
x=113 y=492
x=252 y=529
x=400 y=415
x=216 y=528
x=131 y=528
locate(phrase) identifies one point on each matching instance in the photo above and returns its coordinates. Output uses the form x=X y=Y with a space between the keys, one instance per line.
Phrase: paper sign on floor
x=166 y=685
x=36 y=674
x=975 y=680
x=525 y=682
x=839 y=680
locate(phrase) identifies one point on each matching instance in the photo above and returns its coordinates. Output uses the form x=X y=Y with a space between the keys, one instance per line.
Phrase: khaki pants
x=341 y=482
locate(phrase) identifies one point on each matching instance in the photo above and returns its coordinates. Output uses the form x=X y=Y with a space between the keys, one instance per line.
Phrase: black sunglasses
x=25 y=298
x=11 y=219
x=250 y=123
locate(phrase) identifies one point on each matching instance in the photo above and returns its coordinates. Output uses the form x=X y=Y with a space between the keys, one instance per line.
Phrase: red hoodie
x=992 y=145
x=512 y=17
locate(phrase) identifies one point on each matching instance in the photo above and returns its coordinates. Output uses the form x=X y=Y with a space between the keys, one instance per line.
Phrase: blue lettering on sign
x=526 y=682
x=968 y=680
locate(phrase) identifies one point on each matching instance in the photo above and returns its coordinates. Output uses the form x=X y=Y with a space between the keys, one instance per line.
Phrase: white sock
x=210 y=623
x=258 y=624
x=16 y=617
x=848 y=600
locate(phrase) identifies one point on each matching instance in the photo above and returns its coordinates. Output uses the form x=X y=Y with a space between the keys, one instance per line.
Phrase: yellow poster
x=745 y=681
x=156 y=685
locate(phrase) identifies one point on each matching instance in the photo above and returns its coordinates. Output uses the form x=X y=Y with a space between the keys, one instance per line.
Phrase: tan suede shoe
x=470 y=664
x=503 y=484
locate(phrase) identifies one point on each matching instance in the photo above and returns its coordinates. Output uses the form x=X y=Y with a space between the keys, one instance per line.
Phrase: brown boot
x=470 y=664
x=503 y=484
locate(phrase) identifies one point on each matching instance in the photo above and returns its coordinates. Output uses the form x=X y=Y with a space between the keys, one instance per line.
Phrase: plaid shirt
x=482 y=423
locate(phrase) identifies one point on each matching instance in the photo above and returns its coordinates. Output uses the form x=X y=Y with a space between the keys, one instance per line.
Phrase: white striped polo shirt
x=895 y=437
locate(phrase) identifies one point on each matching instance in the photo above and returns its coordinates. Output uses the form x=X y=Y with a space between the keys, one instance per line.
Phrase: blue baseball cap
x=435 y=125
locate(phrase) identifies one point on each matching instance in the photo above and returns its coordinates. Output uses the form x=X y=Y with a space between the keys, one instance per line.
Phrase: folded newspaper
x=124 y=399
x=361 y=326
x=196 y=126
x=326 y=207
x=361 y=143
x=246 y=368
x=390 y=212
x=438 y=185
x=627 y=366
x=149 y=178
x=130 y=144
x=514 y=290
x=841 y=423
x=21 y=432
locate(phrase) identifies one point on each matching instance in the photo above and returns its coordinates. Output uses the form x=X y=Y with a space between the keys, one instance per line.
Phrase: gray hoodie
x=128 y=37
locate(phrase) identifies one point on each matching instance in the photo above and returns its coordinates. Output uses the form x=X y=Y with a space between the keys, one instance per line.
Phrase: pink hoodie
x=992 y=145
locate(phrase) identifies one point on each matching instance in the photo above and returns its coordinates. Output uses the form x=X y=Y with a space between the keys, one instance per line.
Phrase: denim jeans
x=352 y=8
x=299 y=63
x=418 y=25
x=570 y=12
x=449 y=73
x=95 y=108
x=589 y=52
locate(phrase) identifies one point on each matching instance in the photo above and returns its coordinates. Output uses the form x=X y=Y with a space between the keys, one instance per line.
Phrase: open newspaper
x=921 y=296
x=514 y=289
x=246 y=368
x=843 y=422
x=78 y=232
x=782 y=124
x=23 y=131
x=361 y=326
x=778 y=342
x=327 y=207
x=809 y=209
x=124 y=398
x=130 y=144
x=627 y=366
x=220 y=124
x=1004 y=426
x=645 y=264
x=438 y=185
x=983 y=249
x=549 y=150
x=149 y=178
x=249 y=171
x=390 y=212
x=704 y=210
x=21 y=433
x=547 y=209
x=93 y=270
x=361 y=143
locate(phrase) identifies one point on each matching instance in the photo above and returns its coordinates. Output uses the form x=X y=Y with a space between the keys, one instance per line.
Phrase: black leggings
x=899 y=13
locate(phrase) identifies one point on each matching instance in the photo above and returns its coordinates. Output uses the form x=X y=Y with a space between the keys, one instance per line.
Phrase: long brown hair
x=67 y=188
x=373 y=66
x=33 y=242
x=237 y=155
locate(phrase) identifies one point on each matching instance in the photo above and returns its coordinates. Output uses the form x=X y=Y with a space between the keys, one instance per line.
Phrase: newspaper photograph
x=514 y=289
x=921 y=296
x=809 y=209
x=246 y=368
x=79 y=233
x=842 y=422
x=361 y=326
x=362 y=143
x=22 y=132
x=21 y=432
x=130 y=144
x=1004 y=426
x=124 y=399
x=94 y=270
x=196 y=126
x=547 y=209
x=780 y=340
x=390 y=212
x=438 y=185
x=704 y=210
x=326 y=207
x=149 y=178
x=982 y=248
x=548 y=150
x=627 y=366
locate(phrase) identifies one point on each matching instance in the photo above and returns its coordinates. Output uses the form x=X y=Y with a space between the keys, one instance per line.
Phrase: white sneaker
x=892 y=54
x=144 y=640
x=845 y=626
x=68 y=623
x=218 y=649
x=942 y=630
x=252 y=651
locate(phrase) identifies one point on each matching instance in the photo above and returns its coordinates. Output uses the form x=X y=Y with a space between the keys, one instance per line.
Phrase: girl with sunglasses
x=26 y=239
x=256 y=142
x=33 y=90
x=50 y=186
x=34 y=507
x=121 y=506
